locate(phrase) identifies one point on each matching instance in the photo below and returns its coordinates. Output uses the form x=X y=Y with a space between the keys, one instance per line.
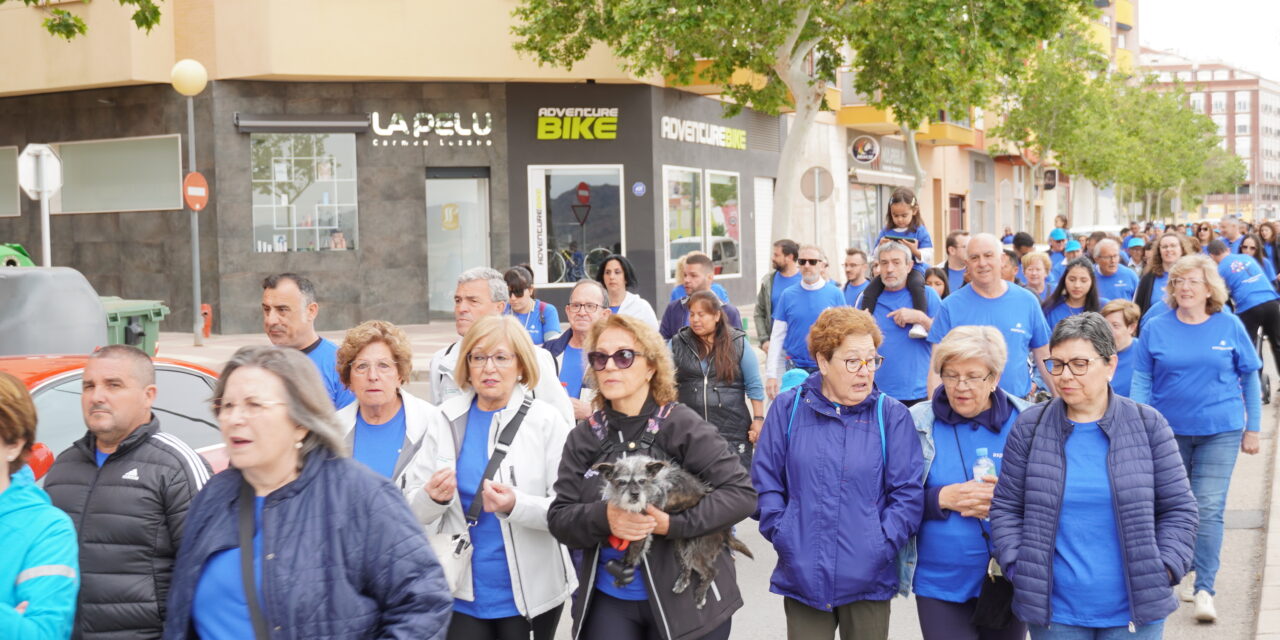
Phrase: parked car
x=182 y=404
x=724 y=254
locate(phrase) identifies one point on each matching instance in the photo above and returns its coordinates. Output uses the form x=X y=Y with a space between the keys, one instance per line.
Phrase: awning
x=354 y=123
x=869 y=176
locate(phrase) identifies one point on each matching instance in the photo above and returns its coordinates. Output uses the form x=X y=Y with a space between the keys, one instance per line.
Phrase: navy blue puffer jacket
x=343 y=557
x=1155 y=511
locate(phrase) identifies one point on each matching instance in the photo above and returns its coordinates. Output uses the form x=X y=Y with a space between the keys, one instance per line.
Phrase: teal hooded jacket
x=39 y=565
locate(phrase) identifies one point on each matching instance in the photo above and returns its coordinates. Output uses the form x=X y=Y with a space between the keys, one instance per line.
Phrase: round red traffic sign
x=584 y=193
x=195 y=191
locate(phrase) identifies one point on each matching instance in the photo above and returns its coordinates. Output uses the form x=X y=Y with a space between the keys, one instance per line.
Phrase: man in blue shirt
x=1057 y=242
x=1115 y=281
x=798 y=308
x=855 y=274
x=990 y=300
x=588 y=302
x=786 y=272
x=1231 y=234
x=906 y=367
x=957 y=248
x=289 y=311
x=1256 y=302
x=699 y=271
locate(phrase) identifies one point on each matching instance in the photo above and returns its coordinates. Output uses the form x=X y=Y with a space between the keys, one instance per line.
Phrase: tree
x=912 y=56
x=64 y=24
x=1168 y=143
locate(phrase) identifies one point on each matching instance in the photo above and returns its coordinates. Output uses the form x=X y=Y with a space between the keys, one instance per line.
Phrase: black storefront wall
x=550 y=134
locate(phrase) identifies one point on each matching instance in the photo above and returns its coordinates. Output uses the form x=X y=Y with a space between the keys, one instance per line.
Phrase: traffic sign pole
x=42 y=178
x=197 y=322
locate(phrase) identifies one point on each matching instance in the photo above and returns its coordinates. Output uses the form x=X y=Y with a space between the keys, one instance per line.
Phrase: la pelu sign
x=440 y=124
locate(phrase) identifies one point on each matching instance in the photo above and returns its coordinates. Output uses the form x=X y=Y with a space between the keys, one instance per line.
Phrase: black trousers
x=942 y=620
x=1265 y=316
x=543 y=627
x=610 y=618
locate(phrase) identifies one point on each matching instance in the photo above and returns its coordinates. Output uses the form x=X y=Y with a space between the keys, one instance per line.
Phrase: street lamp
x=189 y=78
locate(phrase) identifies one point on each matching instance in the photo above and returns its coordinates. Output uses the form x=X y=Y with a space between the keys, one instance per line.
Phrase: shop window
x=725 y=218
x=304 y=192
x=865 y=213
x=703 y=213
x=126 y=174
x=682 y=197
x=576 y=220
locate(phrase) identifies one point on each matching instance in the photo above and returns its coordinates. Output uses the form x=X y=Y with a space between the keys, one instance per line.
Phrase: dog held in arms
x=634 y=482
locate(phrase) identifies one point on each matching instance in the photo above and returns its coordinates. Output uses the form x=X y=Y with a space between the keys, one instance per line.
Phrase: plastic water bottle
x=984 y=465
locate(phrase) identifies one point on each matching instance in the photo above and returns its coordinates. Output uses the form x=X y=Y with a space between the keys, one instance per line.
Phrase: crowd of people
x=1028 y=441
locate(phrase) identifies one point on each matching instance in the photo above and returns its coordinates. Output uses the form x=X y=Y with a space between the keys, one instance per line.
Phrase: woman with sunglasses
x=637 y=413
x=1077 y=292
x=1197 y=365
x=1092 y=519
x=518 y=577
x=838 y=467
x=1252 y=245
x=1204 y=235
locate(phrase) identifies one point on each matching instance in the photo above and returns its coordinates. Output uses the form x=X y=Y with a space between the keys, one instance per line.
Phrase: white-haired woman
x=968 y=417
x=485 y=470
x=335 y=552
x=1197 y=365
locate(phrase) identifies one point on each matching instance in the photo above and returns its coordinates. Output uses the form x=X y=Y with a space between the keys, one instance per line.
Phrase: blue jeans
x=1209 y=461
x=1056 y=631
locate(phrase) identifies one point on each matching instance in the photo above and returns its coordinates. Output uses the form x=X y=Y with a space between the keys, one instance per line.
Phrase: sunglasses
x=622 y=358
x=808 y=261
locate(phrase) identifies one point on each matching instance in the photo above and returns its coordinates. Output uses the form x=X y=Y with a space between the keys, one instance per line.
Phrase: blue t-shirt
x=378 y=445
x=1268 y=267
x=952 y=552
x=1017 y=315
x=1119 y=286
x=572 y=369
x=324 y=353
x=1088 y=566
x=955 y=278
x=490 y=575
x=1246 y=281
x=800 y=308
x=220 y=609
x=100 y=457
x=782 y=283
x=679 y=292
x=904 y=374
x=1195 y=371
x=1059 y=312
x=920 y=235
x=1234 y=245
x=853 y=291
x=541 y=321
x=1122 y=381
x=1056 y=258
x=633 y=591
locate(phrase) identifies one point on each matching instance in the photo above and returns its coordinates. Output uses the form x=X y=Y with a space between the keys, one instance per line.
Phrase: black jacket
x=577 y=515
x=723 y=404
x=129 y=517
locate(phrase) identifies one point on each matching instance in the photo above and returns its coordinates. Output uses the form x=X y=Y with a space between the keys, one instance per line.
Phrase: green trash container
x=14 y=255
x=134 y=322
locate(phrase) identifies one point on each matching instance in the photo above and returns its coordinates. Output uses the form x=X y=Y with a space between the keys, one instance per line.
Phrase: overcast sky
x=1242 y=33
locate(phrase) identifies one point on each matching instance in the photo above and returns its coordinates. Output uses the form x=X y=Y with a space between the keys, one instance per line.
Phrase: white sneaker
x=918 y=331
x=1186 y=592
x=1204 y=607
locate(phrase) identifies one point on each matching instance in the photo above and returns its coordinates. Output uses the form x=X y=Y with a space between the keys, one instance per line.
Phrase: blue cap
x=792 y=378
x=1074 y=245
x=1058 y=234
x=1135 y=241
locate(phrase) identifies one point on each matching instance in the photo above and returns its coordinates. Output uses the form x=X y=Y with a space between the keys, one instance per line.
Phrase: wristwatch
x=758 y=418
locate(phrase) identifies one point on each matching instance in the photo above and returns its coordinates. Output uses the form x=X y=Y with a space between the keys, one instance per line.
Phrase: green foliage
x=67 y=25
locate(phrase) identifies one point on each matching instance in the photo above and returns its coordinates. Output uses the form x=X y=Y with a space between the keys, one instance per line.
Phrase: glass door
x=457 y=231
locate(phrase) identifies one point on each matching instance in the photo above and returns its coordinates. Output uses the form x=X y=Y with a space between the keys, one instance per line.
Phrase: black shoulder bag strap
x=499 y=453
x=246 y=562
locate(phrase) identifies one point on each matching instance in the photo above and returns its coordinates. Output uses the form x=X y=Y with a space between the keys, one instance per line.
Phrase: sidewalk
x=1269 y=602
x=425 y=339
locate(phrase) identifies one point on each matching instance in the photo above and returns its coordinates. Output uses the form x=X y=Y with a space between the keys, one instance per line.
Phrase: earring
x=297 y=445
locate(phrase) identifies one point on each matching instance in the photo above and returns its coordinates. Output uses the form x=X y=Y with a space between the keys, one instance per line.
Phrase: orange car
x=182 y=404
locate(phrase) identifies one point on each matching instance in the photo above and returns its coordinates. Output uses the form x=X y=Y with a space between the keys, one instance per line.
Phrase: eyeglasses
x=1078 y=366
x=250 y=407
x=809 y=261
x=383 y=367
x=1189 y=282
x=500 y=360
x=622 y=358
x=589 y=307
x=854 y=365
x=967 y=381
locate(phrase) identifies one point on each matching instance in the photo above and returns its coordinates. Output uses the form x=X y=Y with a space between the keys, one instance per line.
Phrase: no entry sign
x=195 y=191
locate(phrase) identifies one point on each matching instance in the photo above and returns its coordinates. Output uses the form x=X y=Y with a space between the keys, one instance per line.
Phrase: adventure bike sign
x=703 y=133
x=578 y=123
x=445 y=129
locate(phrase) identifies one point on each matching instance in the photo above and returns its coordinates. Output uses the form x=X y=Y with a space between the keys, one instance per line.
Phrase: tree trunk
x=1029 y=210
x=808 y=101
x=913 y=157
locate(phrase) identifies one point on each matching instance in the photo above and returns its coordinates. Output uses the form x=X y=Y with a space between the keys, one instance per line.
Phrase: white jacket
x=549 y=389
x=639 y=308
x=418 y=413
x=542 y=576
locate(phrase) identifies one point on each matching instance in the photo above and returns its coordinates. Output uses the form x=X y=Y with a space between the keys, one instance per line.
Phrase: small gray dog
x=633 y=483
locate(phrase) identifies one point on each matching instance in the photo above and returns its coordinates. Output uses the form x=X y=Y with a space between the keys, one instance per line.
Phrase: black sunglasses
x=623 y=358
x=808 y=261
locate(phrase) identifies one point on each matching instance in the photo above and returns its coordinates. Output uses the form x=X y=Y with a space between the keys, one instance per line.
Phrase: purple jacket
x=836 y=511
x=1153 y=503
